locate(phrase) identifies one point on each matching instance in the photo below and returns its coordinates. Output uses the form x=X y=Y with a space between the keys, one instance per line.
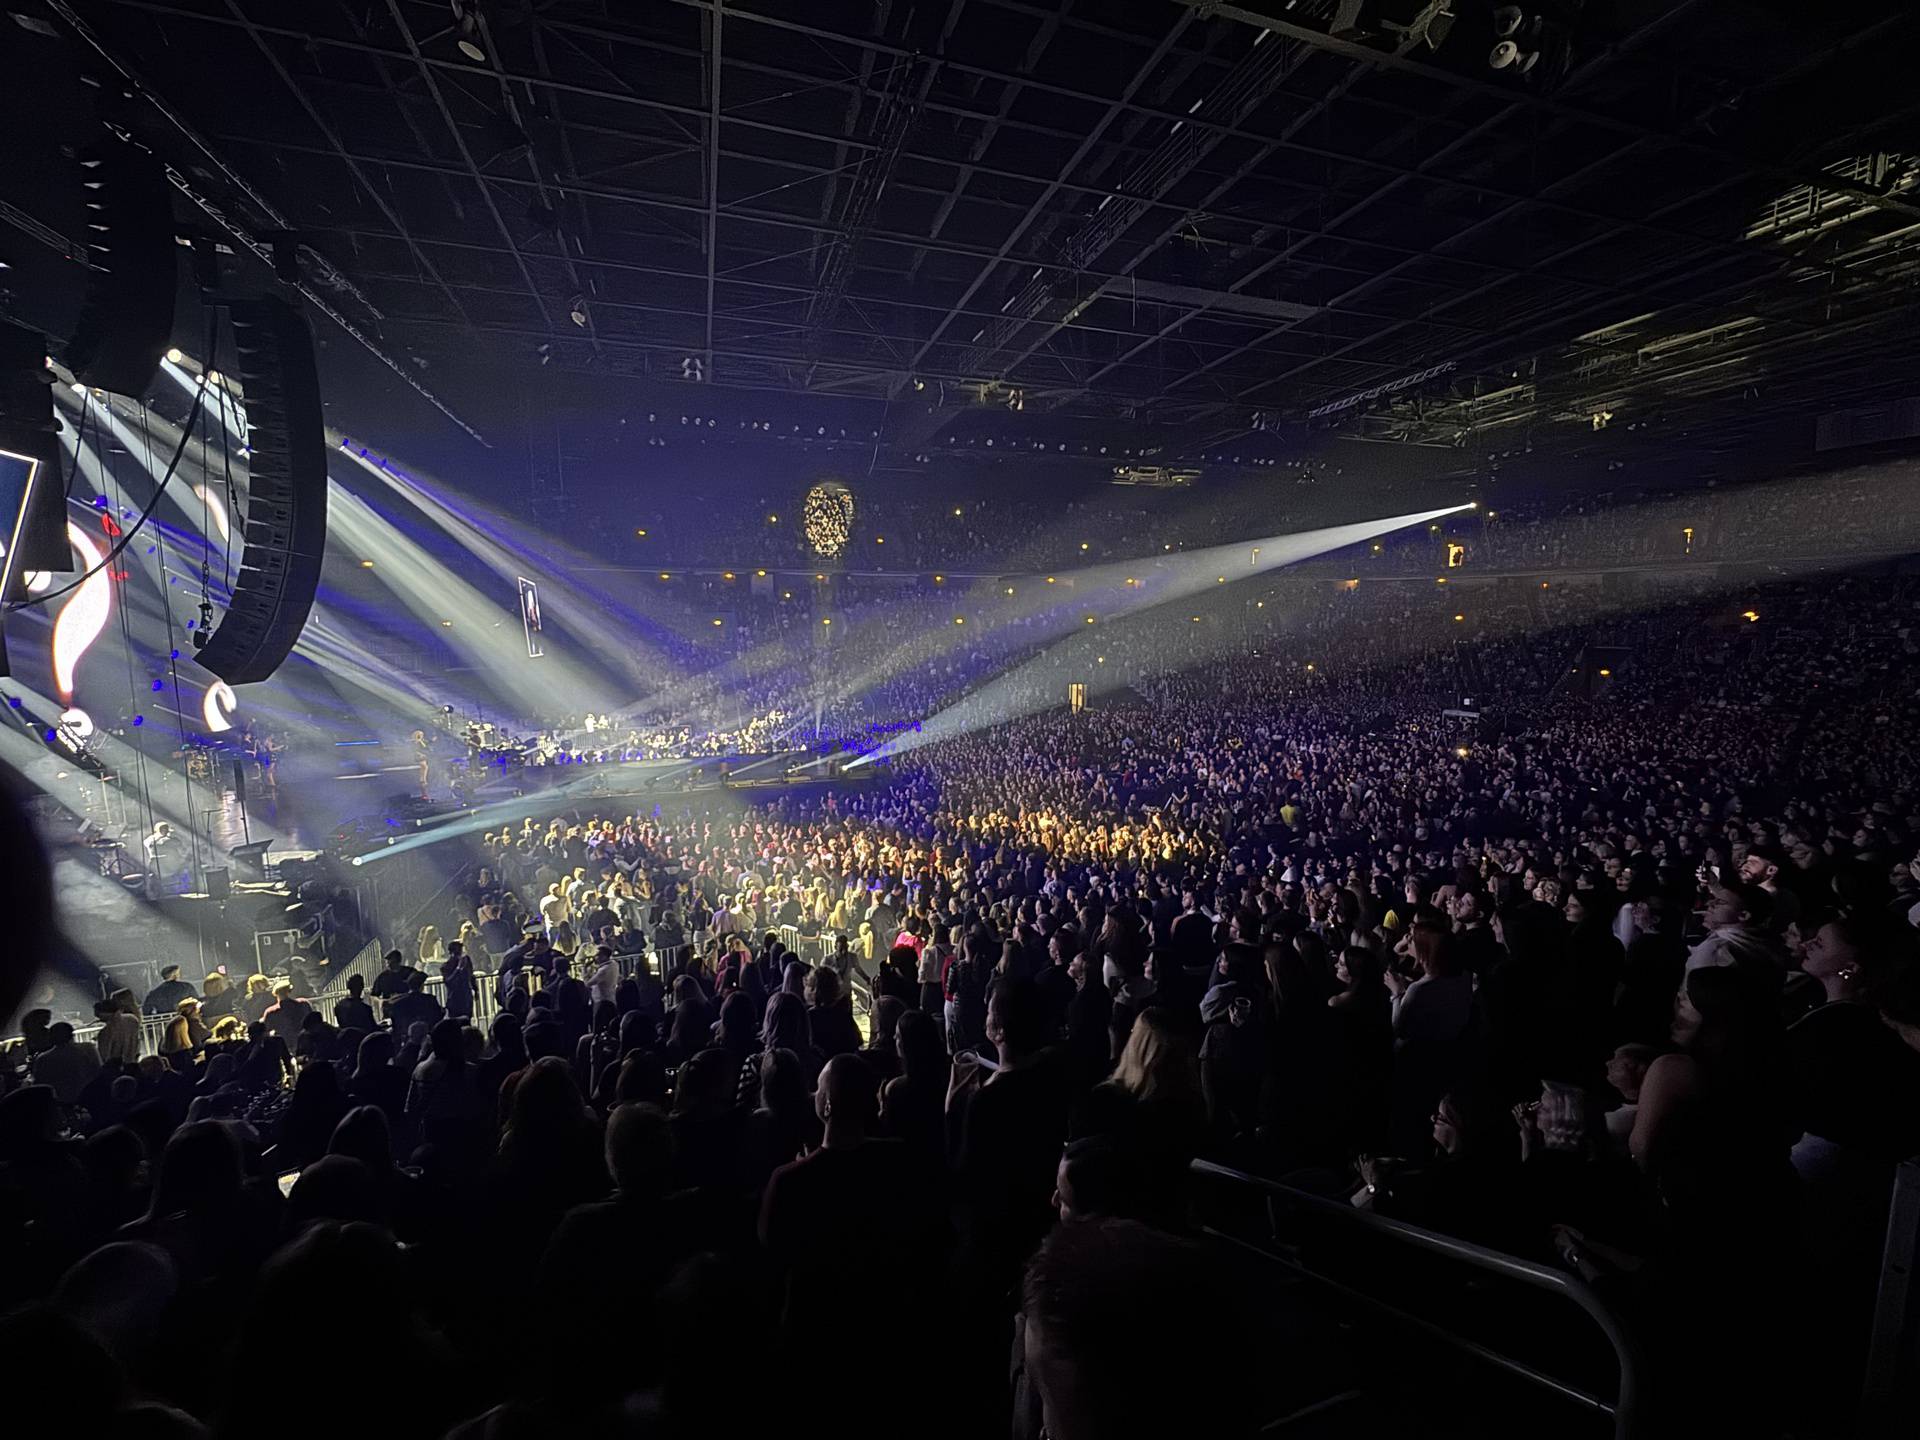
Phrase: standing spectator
x=118 y=1040
x=352 y=1012
x=457 y=981
x=165 y=998
x=287 y=1014
x=66 y=1065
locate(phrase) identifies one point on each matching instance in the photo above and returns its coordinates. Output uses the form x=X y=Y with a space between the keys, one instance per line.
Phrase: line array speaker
x=286 y=522
x=126 y=320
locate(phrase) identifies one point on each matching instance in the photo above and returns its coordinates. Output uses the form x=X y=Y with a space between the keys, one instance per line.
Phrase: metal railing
x=1621 y=1409
x=1893 y=1355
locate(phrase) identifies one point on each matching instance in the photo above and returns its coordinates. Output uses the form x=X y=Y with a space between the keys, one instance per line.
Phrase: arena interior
x=1090 y=719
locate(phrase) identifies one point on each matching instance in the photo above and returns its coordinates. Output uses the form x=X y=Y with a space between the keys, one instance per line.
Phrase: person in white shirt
x=166 y=860
x=1438 y=1004
x=1625 y=1072
x=605 y=979
x=1736 y=918
x=554 y=907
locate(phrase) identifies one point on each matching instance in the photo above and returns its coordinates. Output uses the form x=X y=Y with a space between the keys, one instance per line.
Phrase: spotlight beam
x=486 y=816
x=1105 y=591
x=436 y=596
x=596 y=622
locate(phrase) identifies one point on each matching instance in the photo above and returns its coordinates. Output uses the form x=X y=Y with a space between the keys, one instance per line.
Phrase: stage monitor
x=530 y=615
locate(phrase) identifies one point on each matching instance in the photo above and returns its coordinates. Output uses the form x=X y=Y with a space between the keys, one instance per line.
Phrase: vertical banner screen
x=17 y=476
x=530 y=615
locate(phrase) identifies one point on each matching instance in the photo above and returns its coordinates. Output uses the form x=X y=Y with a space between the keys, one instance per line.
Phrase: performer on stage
x=423 y=753
x=167 y=864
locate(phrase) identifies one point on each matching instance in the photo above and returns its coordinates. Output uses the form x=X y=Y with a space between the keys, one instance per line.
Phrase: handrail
x=1886 y=1399
x=400 y=938
x=1540 y=1277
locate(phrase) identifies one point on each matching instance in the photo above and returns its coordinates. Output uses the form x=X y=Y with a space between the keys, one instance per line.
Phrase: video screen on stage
x=530 y=615
x=17 y=475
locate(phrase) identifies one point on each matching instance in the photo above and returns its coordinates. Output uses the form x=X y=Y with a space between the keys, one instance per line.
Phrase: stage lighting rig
x=1407 y=22
x=466 y=26
x=827 y=518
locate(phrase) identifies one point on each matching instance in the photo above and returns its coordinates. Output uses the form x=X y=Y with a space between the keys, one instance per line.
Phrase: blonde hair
x=1157 y=1063
x=256 y=985
x=216 y=983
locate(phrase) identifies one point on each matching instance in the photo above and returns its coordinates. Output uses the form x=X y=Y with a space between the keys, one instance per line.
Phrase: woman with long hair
x=429 y=947
x=1158 y=1064
x=1715 y=1113
x=966 y=992
x=459 y=984
x=738 y=1030
x=1713 y=1135
x=1432 y=1010
x=473 y=943
x=1364 y=1014
x=912 y=1104
x=1152 y=1109
x=830 y=1013
x=259 y=998
x=690 y=1029
x=186 y=1031
x=706 y=1122
x=219 y=998
x=376 y=1080
x=317 y=1105
x=550 y=1151
x=786 y=1026
x=783 y=1126
x=364 y=1134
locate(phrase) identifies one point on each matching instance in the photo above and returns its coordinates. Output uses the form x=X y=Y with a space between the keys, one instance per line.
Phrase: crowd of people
x=1852 y=512
x=792 y=660
x=1617 y=979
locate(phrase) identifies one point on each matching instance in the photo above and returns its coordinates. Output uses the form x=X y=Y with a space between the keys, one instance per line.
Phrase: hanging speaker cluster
x=286 y=515
x=126 y=320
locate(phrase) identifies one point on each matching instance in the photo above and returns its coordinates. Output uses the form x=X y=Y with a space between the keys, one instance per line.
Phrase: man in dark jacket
x=414 y=1007
x=165 y=998
x=354 y=1013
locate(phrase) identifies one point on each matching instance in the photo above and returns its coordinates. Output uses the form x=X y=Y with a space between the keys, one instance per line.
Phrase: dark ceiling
x=1203 y=221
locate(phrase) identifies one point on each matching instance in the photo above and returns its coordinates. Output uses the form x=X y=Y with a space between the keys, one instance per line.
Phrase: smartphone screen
x=286 y=1183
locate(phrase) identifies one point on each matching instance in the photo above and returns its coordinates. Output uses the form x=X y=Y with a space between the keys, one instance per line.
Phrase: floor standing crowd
x=1626 y=987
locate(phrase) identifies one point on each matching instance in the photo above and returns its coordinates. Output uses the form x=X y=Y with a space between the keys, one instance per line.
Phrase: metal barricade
x=1893 y=1356
x=1621 y=1409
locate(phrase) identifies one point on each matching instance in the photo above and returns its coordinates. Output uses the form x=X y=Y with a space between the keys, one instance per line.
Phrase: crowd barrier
x=1278 y=1201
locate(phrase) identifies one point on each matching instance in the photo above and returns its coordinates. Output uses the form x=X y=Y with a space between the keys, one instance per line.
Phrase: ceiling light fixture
x=467 y=26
